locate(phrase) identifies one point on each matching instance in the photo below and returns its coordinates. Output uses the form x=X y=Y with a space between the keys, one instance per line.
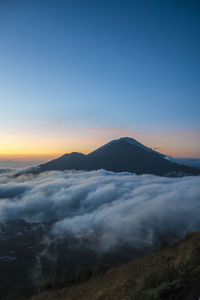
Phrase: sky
x=77 y=74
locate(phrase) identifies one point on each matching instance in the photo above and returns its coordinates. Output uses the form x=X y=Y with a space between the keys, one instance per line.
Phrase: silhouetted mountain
x=122 y=155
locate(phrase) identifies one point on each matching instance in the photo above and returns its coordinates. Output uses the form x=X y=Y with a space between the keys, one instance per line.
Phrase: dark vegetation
x=71 y=277
x=65 y=272
x=171 y=272
x=31 y=258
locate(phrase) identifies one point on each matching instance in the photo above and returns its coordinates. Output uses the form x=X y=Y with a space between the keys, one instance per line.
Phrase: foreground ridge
x=171 y=272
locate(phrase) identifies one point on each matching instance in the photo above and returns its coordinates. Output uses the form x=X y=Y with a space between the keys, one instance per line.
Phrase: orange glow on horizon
x=30 y=148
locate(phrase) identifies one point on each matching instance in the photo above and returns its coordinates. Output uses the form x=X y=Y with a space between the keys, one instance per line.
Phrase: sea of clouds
x=191 y=162
x=101 y=205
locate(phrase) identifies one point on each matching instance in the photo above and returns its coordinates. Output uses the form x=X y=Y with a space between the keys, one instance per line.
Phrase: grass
x=171 y=273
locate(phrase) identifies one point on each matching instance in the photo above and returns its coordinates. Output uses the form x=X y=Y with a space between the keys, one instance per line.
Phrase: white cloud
x=191 y=162
x=104 y=206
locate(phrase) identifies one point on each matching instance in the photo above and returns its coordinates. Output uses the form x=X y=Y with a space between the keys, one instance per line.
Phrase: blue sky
x=69 y=68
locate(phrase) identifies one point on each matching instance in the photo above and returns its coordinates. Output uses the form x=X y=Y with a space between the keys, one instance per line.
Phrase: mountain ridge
x=130 y=141
x=121 y=155
x=172 y=271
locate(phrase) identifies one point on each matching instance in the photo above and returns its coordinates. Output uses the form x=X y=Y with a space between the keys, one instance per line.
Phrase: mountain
x=122 y=155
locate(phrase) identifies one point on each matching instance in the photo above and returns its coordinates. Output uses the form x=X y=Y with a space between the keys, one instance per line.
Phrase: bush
x=71 y=277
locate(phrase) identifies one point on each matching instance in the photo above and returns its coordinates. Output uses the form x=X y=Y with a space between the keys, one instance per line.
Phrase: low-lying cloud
x=191 y=162
x=102 y=206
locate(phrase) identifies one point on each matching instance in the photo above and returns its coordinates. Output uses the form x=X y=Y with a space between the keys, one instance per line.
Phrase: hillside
x=171 y=272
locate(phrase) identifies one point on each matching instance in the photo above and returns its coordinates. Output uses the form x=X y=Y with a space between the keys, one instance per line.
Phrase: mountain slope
x=132 y=142
x=173 y=272
x=122 y=155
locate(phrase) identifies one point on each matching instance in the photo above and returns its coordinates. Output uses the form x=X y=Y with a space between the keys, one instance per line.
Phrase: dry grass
x=170 y=273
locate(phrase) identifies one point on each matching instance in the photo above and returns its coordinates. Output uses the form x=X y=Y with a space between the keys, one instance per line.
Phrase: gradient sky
x=76 y=74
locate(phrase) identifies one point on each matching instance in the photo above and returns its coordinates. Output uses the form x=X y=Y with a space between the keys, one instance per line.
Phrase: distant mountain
x=122 y=155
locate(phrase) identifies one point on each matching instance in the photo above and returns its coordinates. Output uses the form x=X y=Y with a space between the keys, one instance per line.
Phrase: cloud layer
x=102 y=206
x=191 y=162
